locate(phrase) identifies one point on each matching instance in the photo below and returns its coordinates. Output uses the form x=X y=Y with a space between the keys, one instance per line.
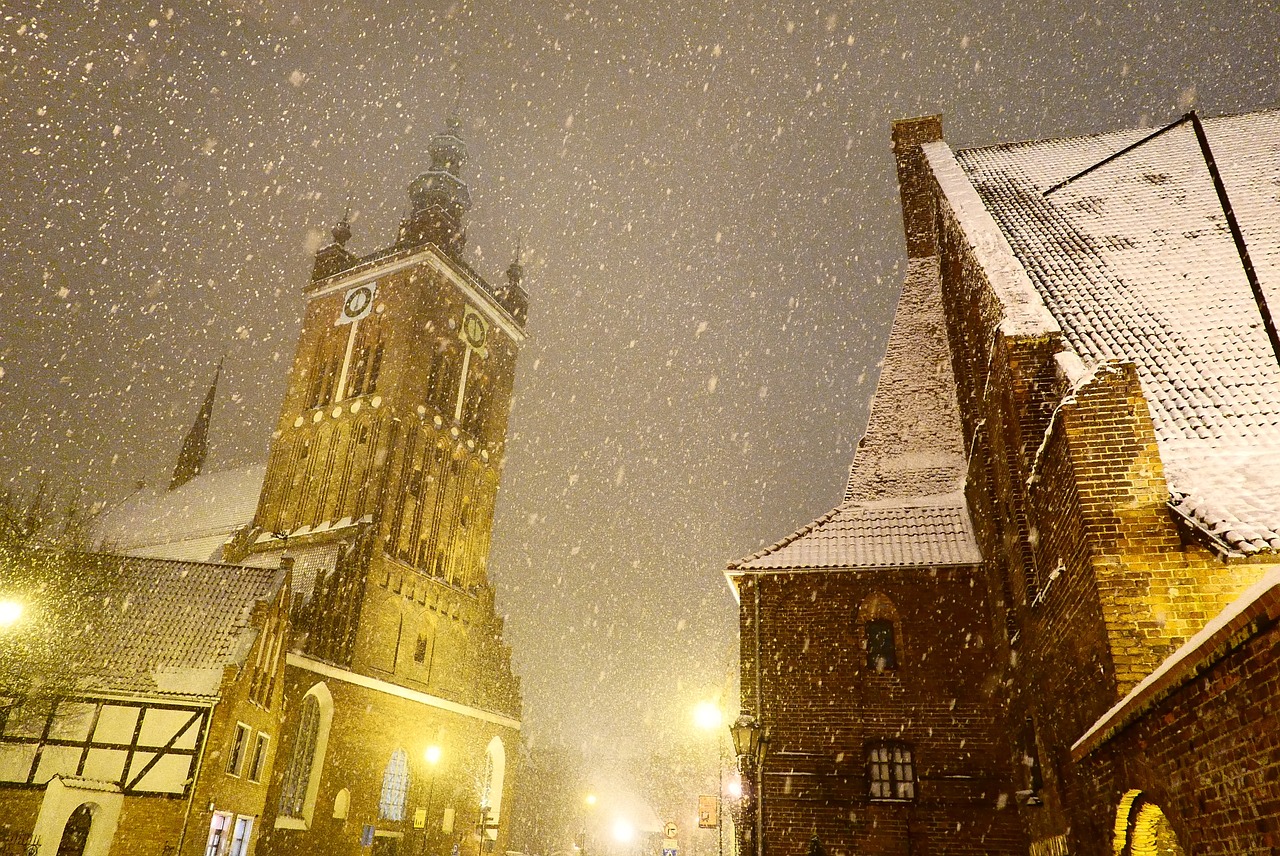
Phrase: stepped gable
x=1135 y=262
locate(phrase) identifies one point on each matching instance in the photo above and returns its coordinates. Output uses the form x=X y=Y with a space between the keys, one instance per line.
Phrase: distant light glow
x=432 y=754
x=623 y=831
x=591 y=799
x=10 y=612
x=733 y=787
x=706 y=714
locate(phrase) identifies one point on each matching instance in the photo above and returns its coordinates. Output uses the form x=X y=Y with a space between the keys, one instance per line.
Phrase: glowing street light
x=706 y=714
x=590 y=799
x=623 y=831
x=734 y=787
x=10 y=613
x=431 y=755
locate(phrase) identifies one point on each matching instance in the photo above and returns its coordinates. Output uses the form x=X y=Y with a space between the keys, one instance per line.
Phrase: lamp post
x=707 y=715
x=590 y=802
x=432 y=756
x=749 y=743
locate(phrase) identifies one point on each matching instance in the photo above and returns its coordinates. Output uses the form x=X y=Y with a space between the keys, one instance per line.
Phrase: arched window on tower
x=302 y=775
x=395 y=787
x=881 y=632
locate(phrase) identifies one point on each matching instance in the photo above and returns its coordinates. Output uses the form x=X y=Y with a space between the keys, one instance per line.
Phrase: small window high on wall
x=881 y=652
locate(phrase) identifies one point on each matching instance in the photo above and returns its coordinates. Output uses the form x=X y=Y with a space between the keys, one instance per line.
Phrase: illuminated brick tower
x=381 y=486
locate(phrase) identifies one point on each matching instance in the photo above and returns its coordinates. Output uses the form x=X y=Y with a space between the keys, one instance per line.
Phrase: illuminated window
x=240 y=837
x=891 y=772
x=395 y=787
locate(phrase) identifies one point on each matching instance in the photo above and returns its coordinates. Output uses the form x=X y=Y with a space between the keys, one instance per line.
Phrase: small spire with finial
x=342 y=231
x=515 y=272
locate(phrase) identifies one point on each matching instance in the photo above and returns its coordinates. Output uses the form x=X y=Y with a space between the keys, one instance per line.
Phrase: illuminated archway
x=1142 y=829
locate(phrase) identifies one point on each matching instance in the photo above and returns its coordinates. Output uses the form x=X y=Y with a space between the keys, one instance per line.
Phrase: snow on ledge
x=1025 y=313
x=1262 y=598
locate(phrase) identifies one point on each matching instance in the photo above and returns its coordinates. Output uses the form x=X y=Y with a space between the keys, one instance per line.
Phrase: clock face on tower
x=474 y=330
x=356 y=304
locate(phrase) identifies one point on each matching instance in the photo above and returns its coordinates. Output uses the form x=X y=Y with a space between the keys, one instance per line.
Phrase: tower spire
x=195 y=447
x=439 y=198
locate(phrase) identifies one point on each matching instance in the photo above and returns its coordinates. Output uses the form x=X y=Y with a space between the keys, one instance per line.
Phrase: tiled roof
x=927 y=531
x=1135 y=262
x=191 y=522
x=160 y=626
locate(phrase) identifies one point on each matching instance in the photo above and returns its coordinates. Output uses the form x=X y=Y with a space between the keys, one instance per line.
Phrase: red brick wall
x=822 y=706
x=1208 y=755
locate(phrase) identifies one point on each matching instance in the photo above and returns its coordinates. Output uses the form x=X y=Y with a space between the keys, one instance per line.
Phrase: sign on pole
x=708 y=812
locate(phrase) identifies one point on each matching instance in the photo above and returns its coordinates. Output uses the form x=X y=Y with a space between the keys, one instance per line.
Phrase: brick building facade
x=1117 y=410
x=398 y=720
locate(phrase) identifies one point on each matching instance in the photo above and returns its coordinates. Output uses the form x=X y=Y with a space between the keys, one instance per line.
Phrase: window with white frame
x=891 y=771
x=239 y=745
x=395 y=787
x=240 y=836
x=217 y=833
x=259 y=758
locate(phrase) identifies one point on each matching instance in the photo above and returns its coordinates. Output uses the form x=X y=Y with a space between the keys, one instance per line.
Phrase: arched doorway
x=1143 y=830
x=76 y=833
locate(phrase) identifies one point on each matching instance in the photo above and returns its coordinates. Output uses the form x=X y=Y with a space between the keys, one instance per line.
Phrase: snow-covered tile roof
x=924 y=531
x=1135 y=262
x=161 y=626
x=191 y=522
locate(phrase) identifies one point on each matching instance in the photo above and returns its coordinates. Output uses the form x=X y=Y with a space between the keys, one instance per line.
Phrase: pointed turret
x=195 y=447
x=439 y=198
x=513 y=296
x=335 y=257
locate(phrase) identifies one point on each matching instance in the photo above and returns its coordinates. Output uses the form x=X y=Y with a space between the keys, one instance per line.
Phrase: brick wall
x=823 y=706
x=367 y=727
x=1208 y=755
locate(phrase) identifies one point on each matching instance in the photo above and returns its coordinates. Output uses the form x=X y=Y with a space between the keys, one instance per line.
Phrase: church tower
x=381 y=485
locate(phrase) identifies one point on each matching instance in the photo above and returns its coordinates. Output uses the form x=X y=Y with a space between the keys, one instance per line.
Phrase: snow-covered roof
x=1135 y=262
x=161 y=626
x=1260 y=603
x=925 y=531
x=191 y=522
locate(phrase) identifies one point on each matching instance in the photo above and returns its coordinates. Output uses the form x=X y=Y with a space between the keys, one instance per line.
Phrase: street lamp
x=707 y=716
x=749 y=743
x=432 y=756
x=10 y=613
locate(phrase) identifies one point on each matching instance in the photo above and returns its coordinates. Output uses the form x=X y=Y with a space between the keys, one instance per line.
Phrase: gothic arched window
x=302 y=775
x=395 y=787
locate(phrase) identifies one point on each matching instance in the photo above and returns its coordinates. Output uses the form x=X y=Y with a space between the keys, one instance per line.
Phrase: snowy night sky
x=714 y=247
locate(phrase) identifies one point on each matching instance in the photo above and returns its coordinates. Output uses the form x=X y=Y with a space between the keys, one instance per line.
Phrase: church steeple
x=439 y=198
x=195 y=447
